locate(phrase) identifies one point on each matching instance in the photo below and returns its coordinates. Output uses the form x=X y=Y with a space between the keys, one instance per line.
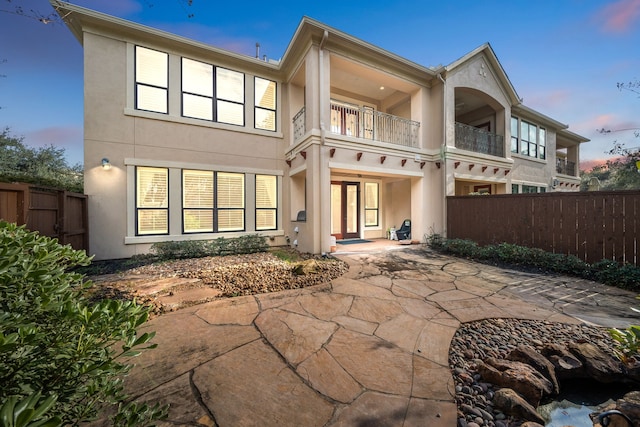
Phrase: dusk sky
x=564 y=57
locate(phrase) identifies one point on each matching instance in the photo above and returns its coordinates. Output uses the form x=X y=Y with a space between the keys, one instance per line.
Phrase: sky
x=563 y=57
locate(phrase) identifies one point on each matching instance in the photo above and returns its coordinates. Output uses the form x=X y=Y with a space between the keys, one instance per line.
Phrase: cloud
x=619 y=17
x=69 y=138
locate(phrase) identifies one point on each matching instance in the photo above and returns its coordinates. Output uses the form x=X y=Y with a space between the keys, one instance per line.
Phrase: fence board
x=52 y=212
x=591 y=226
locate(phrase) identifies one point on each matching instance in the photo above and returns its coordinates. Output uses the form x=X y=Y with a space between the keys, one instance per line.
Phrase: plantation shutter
x=230 y=201
x=152 y=202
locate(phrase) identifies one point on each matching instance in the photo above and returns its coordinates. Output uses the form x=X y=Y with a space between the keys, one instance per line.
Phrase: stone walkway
x=369 y=348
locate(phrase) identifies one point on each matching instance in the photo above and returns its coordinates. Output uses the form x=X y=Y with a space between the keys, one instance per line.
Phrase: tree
x=43 y=166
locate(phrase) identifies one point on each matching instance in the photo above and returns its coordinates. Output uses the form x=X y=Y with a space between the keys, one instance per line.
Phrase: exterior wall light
x=106 y=165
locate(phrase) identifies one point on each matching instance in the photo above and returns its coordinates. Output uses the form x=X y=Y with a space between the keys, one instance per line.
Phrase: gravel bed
x=232 y=275
x=496 y=338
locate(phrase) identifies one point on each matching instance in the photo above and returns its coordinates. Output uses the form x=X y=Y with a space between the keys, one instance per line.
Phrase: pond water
x=577 y=400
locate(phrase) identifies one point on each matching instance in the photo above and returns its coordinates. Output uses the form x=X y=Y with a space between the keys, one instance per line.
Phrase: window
x=265 y=104
x=230 y=201
x=152 y=201
x=197 y=89
x=197 y=201
x=266 y=202
x=529 y=189
x=528 y=139
x=152 y=80
x=515 y=189
x=371 y=213
x=229 y=96
x=514 y=134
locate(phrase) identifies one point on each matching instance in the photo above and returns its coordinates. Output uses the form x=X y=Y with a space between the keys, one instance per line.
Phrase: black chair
x=404 y=232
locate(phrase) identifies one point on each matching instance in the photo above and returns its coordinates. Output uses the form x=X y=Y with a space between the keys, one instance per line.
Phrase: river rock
x=522 y=378
x=529 y=355
x=513 y=404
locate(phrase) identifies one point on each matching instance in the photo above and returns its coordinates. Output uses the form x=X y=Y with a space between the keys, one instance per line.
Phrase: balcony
x=479 y=141
x=565 y=167
x=365 y=123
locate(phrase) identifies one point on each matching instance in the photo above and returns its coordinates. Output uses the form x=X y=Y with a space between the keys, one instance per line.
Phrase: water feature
x=577 y=400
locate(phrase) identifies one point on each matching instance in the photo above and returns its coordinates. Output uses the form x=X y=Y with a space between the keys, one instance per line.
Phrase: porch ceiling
x=365 y=81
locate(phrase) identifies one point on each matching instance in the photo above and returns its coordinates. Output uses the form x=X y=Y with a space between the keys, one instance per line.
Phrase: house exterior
x=337 y=139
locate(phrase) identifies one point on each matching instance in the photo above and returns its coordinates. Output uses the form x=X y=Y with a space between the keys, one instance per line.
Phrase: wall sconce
x=106 y=165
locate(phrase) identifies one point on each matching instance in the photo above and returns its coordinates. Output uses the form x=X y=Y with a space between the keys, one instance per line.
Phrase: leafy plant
x=627 y=342
x=247 y=244
x=59 y=353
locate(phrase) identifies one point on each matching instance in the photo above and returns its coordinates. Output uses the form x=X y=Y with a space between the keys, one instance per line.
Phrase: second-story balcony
x=365 y=123
x=471 y=138
x=565 y=167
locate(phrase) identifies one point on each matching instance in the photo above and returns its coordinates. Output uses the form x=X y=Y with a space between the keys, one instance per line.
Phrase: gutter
x=443 y=153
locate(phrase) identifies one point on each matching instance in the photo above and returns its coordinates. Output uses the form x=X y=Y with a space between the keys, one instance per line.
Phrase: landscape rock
x=599 y=365
x=630 y=406
x=566 y=364
x=529 y=355
x=522 y=378
x=513 y=404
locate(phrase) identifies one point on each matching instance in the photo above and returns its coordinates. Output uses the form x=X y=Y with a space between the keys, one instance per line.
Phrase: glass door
x=345 y=210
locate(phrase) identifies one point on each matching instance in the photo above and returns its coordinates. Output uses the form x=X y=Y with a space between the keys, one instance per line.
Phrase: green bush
x=247 y=244
x=60 y=354
x=609 y=272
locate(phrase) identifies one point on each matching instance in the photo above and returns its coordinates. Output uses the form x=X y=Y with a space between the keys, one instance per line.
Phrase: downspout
x=324 y=224
x=325 y=36
x=443 y=153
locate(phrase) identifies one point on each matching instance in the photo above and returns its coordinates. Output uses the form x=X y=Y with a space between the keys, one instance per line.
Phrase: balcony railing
x=565 y=167
x=365 y=123
x=479 y=141
x=299 y=127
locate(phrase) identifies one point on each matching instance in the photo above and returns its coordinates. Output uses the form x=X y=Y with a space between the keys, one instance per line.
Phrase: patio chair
x=404 y=232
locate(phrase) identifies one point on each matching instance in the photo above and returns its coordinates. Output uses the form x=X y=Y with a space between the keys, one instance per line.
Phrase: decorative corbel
x=303 y=154
x=332 y=152
x=484 y=168
x=403 y=162
x=422 y=164
x=382 y=159
x=438 y=165
x=359 y=156
x=288 y=162
x=456 y=164
x=495 y=170
x=471 y=166
x=507 y=172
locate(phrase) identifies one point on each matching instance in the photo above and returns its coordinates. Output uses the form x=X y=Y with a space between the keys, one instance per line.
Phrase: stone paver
x=369 y=348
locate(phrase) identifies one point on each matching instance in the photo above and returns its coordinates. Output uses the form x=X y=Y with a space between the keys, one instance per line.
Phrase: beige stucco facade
x=363 y=139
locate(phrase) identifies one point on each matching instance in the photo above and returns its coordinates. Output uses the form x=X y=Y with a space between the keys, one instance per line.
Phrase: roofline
x=566 y=133
x=497 y=66
x=528 y=111
x=310 y=24
x=68 y=12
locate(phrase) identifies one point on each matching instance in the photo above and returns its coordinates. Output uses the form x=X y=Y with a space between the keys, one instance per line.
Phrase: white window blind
x=152 y=200
x=230 y=201
x=197 y=201
x=266 y=202
x=152 y=79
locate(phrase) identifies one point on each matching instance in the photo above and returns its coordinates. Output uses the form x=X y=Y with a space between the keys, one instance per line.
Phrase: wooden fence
x=51 y=212
x=592 y=226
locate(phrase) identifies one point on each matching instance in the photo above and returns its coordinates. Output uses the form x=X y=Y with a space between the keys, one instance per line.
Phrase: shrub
x=58 y=358
x=247 y=244
x=609 y=272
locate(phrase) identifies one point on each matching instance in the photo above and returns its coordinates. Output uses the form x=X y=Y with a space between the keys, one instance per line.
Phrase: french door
x=345 y=210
